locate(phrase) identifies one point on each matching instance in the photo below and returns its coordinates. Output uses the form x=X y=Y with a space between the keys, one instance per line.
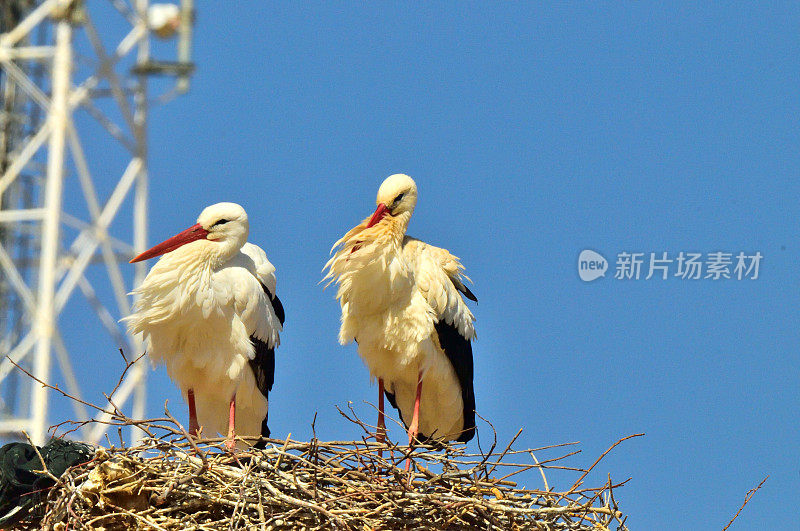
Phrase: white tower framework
x=73 y=107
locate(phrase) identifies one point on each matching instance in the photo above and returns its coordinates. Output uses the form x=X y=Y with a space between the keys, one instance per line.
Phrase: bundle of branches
x=174 y=482
x=171 y=481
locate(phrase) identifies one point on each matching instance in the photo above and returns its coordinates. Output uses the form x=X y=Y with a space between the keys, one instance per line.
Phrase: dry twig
x=747 y=498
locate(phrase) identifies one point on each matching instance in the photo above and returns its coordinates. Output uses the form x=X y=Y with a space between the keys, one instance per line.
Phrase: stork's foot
x=413 y=431
x=380 y=438
x=230 y=444
x=380 y=434
x=408 y=459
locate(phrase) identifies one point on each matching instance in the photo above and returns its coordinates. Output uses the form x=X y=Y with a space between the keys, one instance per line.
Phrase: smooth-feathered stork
x=402 y=302
x=209 y=311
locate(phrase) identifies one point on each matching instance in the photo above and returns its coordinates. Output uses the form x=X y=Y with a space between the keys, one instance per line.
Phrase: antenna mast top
x=56 y=63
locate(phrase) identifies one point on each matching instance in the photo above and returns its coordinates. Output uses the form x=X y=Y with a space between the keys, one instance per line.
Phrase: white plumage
x=208 y=311
x=400 y=301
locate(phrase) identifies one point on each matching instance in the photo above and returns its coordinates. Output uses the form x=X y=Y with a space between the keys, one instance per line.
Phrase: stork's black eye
x=399 y=198
x=220 y=222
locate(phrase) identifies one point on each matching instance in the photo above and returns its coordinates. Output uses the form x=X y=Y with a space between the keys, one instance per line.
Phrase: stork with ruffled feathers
x=402 y=302
x=209 y=311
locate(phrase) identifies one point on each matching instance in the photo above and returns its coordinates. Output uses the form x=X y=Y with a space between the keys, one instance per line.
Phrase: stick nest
x=170 y=481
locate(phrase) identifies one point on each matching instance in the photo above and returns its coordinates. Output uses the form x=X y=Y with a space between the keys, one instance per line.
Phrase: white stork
x=208 y=310
x=402 y=303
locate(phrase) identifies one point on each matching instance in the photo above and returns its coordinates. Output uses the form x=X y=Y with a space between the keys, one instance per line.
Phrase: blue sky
x=533 y=133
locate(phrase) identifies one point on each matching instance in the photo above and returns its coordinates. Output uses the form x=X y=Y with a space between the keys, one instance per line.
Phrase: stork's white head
x=224 y=224
x=397 y=195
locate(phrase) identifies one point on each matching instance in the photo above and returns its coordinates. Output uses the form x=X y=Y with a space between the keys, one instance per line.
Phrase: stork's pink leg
x=413 y=429
x=194 y=428
x=381 y=435
x=230 y=443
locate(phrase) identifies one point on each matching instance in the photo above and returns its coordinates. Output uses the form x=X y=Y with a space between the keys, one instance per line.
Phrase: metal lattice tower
x=59 y=80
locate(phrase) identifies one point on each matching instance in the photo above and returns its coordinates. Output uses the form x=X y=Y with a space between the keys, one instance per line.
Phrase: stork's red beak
x=195 y=232
x=379 y=214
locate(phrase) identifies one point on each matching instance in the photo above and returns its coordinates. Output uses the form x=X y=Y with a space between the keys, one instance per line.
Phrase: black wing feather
x=277 y=305
x=263 y=363
x=465 y=290
x=458 y=350
x=263 y=366
x=393 y=402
